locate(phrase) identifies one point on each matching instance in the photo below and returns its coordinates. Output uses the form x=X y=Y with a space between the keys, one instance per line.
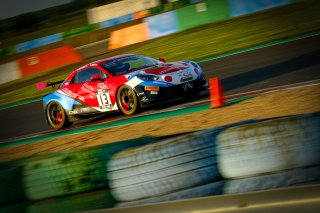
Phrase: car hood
x=165 y=68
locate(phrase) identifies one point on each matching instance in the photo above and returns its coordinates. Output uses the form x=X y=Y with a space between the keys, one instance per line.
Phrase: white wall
x=9 y=71
x=125 y=7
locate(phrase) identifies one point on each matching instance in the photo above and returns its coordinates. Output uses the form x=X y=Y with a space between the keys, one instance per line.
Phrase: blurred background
x=44 y=40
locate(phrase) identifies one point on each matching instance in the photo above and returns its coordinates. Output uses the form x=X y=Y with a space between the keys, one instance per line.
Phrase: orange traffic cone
x=216 y=93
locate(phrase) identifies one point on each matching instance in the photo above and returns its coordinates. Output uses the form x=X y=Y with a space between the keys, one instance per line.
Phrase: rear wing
x=42 y=85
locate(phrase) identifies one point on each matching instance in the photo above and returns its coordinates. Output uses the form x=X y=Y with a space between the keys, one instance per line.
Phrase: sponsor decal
x=151 y=88
x=33 y=60
x=73 y=95
x=86 y=87
x=186 y=76
x=73 y=112
x=102 y=85
x=184 y=79
x=85 y=109
x=80 y=110
x=186 y=73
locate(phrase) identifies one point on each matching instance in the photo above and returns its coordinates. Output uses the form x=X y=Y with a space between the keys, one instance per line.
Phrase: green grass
x=197 y=43
x=28 y=92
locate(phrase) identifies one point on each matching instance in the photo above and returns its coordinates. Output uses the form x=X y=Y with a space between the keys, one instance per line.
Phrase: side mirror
x=163 y=60
x=96 y=77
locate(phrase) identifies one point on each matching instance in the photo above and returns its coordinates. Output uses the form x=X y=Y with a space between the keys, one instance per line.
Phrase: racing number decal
x=104 y=99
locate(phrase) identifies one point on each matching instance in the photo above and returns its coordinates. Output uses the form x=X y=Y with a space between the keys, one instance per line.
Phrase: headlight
x=148 y=77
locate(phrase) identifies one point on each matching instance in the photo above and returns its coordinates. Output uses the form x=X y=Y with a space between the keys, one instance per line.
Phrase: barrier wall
x=48 y=60
x=162 y=24
x=80 y=31
x=9 y=71
x=129 y=35
x=115 y=21
x=118 y=9
x=202 y=13
x=28 y=45
x=243 y=7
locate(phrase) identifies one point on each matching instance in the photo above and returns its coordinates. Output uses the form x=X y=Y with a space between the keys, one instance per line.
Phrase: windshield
x=129 y=64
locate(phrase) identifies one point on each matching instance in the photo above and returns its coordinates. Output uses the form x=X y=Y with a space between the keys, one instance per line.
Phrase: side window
x=85 y=75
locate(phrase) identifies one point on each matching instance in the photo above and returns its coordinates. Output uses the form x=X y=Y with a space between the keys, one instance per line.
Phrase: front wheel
x=56 y=116
x=127 y=100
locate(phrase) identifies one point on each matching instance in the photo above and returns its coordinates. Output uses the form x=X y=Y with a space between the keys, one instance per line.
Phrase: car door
x=94 y=92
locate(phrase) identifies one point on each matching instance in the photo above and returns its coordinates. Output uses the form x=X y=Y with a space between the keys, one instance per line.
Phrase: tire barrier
x=269 y=146
x=11 y=185
x=165 y=149
x=167 y=185
x=265 y=154
x=75 y=203
x=163 y=173
x=209 y=189
x=161 y=164
x=281 y=179
x=66 y=173
x=165 y=167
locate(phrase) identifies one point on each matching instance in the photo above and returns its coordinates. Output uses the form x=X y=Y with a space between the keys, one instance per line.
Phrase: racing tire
x=210 y=189
x=166 y=185
x=269 y=146
x=56 y=116
x=127 y=100
x=286 y=178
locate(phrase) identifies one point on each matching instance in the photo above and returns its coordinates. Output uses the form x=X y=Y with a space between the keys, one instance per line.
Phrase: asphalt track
x=286 y=63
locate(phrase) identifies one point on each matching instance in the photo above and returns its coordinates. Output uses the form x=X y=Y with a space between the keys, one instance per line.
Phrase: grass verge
x=197 y=43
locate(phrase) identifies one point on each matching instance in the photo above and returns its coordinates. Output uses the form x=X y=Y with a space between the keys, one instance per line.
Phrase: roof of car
x=111 y=58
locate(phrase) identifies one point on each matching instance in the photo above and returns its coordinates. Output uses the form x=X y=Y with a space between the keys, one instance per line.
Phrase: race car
x=124 y=82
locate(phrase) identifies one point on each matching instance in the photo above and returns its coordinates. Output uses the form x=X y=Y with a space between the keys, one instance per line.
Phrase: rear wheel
x=127 y=100
x=56 y=116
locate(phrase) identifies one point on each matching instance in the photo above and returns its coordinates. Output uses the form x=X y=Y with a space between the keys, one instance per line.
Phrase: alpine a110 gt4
x=125 y=83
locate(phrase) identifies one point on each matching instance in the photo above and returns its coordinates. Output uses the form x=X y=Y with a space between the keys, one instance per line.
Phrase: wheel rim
x=127 y=99
x=55 y=114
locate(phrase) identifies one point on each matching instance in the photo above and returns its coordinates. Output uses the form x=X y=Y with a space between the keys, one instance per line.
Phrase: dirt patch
x=280 y=103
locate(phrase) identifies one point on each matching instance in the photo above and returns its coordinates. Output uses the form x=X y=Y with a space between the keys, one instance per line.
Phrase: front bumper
x=188 y=89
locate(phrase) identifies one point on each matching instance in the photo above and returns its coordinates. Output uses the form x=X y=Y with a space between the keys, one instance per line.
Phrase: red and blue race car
x=125 y=83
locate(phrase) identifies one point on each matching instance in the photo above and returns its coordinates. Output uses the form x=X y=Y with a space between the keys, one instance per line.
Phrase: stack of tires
x=269 y=154
x=248 y=156
x=177 y=168
x=243 y=157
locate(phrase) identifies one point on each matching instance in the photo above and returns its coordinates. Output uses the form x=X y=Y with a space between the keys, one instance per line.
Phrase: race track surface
x=286 y=63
